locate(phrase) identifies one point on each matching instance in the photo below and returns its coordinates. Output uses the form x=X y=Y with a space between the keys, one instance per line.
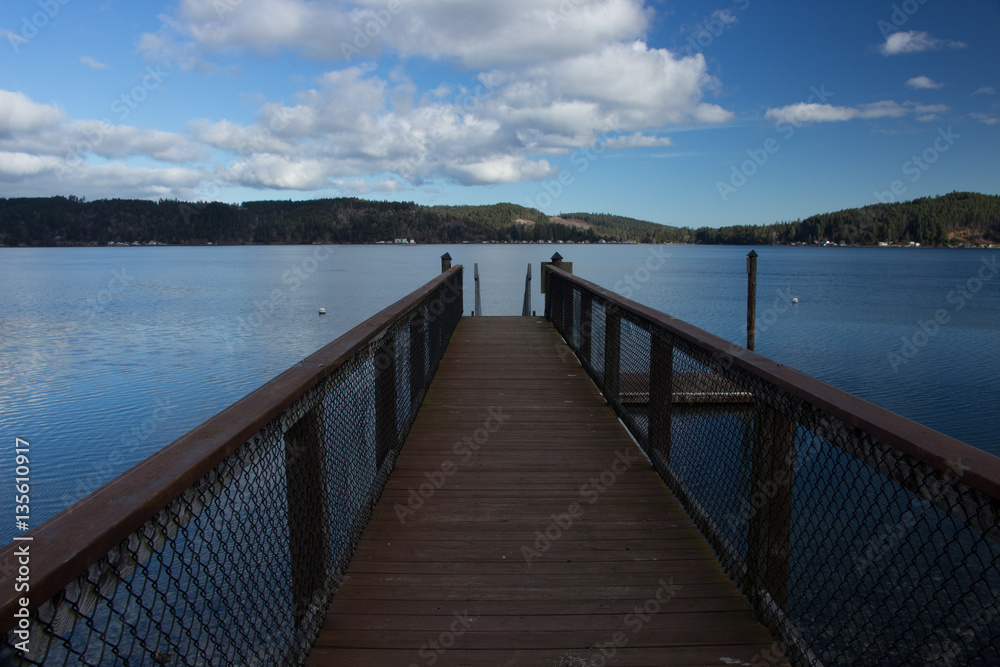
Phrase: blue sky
x=683 y=113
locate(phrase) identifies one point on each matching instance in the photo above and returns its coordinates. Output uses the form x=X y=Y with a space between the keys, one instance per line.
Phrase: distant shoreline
x=958 y=219
x=532 y=243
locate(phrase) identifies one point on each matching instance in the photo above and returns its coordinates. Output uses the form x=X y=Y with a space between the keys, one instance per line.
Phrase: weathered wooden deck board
x=543 y=537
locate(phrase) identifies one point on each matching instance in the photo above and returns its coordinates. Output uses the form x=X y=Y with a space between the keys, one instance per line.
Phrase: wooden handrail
x=67 y=544
x=977 y=469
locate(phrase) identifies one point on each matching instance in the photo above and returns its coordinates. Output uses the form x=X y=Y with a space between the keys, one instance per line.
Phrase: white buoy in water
x=322 y=311
x=795 y=299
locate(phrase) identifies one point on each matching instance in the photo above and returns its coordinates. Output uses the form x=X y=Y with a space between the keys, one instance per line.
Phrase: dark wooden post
x=526 y=306
x=386 y=429
x=550 y=296
x=751 y=299
x=565 y=301
x=436 y=309
x=661 y=381
x=554 y=299
x=478 y=312
x=771 y=484
x=567 y=314
x=586 y=327
x=456 y=313
x=308 y=520
x=418 y=356
x=445 y=262
x=612 y=355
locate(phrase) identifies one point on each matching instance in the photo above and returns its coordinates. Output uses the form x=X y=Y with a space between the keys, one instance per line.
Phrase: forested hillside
x=958 y=218
x=621 y=228
x=71 y=221
x=953 y=219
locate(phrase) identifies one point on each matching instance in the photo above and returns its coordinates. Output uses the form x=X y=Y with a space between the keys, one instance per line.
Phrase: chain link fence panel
x=240 y=568
x=850 y=549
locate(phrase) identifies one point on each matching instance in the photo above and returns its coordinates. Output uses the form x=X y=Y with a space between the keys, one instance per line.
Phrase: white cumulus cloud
x=18 y=113
x=810 y=113
x=274 y=171
x=15 y=165
x=915 y=41
x=93 y=63
x=351 y=126
x=985 y=119
x=923 y=83
x=637 y=140
x=555 y=76
x=472 y=34
x=46 y=152
x=501 y=169
x=804 y=113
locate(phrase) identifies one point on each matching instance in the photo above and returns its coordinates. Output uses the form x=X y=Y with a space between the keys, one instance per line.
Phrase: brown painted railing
x=225 y=547
x=858 y=536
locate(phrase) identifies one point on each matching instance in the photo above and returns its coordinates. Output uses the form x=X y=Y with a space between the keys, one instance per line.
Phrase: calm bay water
x=108 y=354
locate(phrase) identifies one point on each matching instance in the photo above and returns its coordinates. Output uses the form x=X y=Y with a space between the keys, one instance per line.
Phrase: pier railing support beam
x=478 y=312
x=586 y=327
x=418 y=356
x=308 y=523
x=526 y=308
x=771 y=488
x=751 y=299
x=612 y=355
x=386 y=428
x=661 y=381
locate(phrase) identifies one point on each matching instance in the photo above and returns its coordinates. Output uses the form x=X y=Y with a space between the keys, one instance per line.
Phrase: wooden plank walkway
x=546 y=538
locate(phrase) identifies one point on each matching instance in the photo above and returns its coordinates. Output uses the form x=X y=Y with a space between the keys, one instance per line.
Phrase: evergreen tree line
x=954 y=219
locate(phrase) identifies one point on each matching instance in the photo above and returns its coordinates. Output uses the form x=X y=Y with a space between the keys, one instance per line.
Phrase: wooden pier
x=522 y=526
x=433 y=490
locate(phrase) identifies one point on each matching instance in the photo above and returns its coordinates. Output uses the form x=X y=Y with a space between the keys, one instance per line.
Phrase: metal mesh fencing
x=240 y=568
x=850 y=550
